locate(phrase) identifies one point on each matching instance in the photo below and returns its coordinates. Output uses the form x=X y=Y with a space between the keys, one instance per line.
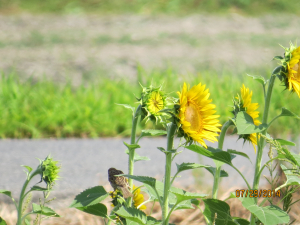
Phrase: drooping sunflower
x=196 y=115
x=138 y=198
x=244 y=103
x=290 y=73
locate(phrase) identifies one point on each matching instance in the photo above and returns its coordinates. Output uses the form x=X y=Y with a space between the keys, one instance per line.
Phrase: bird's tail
x=126 y=192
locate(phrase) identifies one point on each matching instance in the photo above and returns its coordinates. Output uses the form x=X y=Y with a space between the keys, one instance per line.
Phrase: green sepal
x=89 y=197
x=46 y=211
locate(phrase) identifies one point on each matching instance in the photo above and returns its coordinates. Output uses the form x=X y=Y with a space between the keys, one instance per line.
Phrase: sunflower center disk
x=297 y=69
x=193 y=117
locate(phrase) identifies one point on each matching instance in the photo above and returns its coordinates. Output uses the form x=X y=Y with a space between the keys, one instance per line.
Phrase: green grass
x=180 y=7
x=37 y=109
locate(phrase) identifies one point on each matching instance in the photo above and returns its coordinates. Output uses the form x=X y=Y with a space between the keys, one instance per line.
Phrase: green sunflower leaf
x=146 y=133
x=270 y=215
x=28 y=168
x=131 y=146
x=212 y=153
x=232 y=151
x=258 y=78
x=6 y=192
x=146 y=180
x=46 y=211
x=217 y=212
x=245 y=125
x=137 y=157
x=182 y=195
x=285 y=142
x=27 y=222
x=2 y=221
x=127 y=106
x=37 y=188
x=188 y=166
x=286 y=112
x=159 y=188
x=166 y=151
x=212 y=170
x=98 y=209
x=291 y=179
x=241 y=221
x=89 y=197
x=182 y=205
x=132 y=214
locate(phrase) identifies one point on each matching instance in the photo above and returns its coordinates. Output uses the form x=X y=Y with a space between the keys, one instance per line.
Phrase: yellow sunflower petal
x=196 y=114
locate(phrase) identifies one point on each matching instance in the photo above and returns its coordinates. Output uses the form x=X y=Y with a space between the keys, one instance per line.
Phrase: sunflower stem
x=260 y=142
x=170 y=139
x=19 y=208
x=218 y=170
x=132 y=151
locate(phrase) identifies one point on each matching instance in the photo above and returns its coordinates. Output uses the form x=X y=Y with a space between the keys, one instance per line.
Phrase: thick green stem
x=218 y=170
x=132 y=151
x=165 y=207
x=19 y=208
x=260 y=142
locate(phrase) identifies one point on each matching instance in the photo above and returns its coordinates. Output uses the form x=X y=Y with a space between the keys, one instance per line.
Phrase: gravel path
x=85 y=162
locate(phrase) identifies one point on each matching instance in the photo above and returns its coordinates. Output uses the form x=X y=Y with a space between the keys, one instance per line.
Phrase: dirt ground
x=83 y=47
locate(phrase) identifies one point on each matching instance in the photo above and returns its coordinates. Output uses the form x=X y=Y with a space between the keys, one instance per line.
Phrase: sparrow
x=119 y=182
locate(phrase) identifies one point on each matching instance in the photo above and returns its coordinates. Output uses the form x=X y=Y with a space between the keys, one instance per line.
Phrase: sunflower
x=153 y=100
x=294 y=71
x=290 y=72
x=138 y=198
x=196 y=115
x=244 y=104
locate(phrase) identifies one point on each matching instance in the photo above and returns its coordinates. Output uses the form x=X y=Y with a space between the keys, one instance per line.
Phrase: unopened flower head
x=50 y=171
x=196 y=115
x=290 y=72
x=243 y=103
x=153 y=100
x=138 y=198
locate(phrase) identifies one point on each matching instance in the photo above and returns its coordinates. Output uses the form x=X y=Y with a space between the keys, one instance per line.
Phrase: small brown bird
x=119 y=182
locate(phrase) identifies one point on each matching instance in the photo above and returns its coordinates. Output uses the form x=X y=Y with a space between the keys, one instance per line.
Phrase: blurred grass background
x=43 y=109
x=179 y=7
x=89 y=63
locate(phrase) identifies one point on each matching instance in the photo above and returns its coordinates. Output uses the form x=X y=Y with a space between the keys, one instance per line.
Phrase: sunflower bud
x=290 y=70
x=153 y=100
x=50 y=171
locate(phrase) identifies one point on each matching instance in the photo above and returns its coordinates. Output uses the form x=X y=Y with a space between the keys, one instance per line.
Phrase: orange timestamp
x=265 y=193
